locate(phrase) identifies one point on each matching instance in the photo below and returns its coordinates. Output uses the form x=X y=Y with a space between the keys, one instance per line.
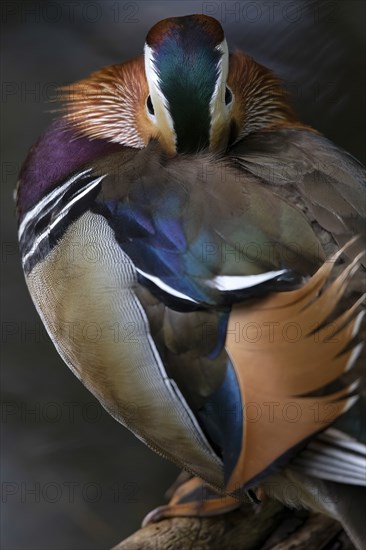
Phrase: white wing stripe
x=168 y=289
x=239 y=282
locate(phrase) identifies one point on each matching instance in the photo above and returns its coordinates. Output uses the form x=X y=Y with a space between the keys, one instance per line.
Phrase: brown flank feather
x=276 y=375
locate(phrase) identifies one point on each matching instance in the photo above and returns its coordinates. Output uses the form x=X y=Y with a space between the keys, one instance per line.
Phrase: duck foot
x=192 y=498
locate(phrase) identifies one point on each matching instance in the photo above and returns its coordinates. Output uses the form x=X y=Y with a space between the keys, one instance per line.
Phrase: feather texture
x=277 y=375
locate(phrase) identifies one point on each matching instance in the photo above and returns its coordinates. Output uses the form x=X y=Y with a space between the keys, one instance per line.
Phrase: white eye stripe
x=155 y=91
x=152 y=75
x=42 y=204
x=219 y=111
x=223 y=68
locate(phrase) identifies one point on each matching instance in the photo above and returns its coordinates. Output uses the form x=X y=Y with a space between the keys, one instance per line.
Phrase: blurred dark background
x=71 y=477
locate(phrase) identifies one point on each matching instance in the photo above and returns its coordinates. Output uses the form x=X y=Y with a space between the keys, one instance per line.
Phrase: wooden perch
x=272 y=527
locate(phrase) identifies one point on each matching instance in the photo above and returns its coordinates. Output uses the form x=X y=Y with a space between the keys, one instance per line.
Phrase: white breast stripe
x=61 y=215
x=42 y=203
x=240 y=282
x=168 y=289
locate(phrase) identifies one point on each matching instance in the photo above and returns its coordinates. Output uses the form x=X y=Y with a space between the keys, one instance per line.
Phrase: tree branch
x=272 y=527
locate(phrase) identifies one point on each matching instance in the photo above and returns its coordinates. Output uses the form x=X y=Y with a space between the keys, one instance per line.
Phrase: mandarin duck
x=193 y=249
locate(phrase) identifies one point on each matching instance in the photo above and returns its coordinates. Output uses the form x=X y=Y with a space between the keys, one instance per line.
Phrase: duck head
x=187 y=91
x=189 y=101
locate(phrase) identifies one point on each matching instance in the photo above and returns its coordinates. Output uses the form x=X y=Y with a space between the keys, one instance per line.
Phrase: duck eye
x=149 y=106
x=228 y=96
